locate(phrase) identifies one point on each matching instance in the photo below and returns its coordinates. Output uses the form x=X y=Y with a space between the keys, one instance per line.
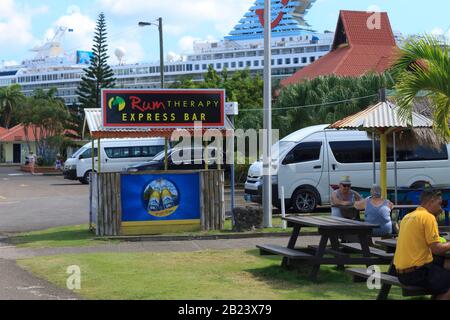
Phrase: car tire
x=304 y=201
x=86 y=178
x=419 y=185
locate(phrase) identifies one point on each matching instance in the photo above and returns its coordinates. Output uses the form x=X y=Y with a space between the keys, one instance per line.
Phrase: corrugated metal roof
x=381 y=115
x=94 y=123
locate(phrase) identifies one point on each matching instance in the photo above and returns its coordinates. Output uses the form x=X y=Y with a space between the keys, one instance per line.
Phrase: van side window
x=361 y=152
x=133 y=152
x=354 y=151
x=88 y=154
x=422 y=153
x=304 y=152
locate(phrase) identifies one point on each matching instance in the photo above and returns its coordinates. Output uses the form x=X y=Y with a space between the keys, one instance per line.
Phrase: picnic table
x=391 y=245
x=329 y=229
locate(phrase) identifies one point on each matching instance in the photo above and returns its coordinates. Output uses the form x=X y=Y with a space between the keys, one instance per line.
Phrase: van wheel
x=304 y=201
x=419 y=185
x=86 y=178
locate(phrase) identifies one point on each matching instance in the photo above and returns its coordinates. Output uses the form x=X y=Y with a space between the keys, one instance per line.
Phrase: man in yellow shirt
x=418 y=241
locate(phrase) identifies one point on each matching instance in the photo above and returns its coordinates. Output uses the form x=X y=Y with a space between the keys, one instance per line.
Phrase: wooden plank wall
x=109 y=214
x=212 y=199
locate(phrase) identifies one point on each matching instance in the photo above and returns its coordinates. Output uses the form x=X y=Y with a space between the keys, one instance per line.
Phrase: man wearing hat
x=344 y=196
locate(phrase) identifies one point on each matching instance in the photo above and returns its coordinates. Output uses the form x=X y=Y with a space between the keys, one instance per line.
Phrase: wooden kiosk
x=155 y=202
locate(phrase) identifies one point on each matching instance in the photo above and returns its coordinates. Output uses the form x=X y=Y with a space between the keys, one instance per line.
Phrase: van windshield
x=160 y=156
x=80 y=151
x=280 y=149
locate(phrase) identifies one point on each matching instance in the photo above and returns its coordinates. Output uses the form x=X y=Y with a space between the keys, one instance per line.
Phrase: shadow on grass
x=331 y=284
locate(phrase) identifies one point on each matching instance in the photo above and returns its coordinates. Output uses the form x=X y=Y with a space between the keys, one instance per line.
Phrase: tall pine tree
x=99 y=74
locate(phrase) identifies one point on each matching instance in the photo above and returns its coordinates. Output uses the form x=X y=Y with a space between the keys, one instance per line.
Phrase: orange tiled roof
x=357 y=50
x=3 y=131
x=17 y=133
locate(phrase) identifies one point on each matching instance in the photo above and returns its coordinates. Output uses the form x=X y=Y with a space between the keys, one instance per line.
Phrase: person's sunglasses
x=346 y=185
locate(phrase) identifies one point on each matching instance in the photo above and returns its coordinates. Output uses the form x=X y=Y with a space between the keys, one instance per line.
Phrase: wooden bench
x=329 y=251
x=294 y=254
x=356 y=247
x=387 y=282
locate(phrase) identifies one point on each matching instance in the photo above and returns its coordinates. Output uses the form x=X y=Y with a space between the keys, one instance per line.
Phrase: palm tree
x=423 y=68
x=10 y=98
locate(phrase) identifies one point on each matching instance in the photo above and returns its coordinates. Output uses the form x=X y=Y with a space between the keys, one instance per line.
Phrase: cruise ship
x=294 y=45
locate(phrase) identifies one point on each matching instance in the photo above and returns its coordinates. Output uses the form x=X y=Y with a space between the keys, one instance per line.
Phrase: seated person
x=377 y=211
x=418 y=241
x=344 y=196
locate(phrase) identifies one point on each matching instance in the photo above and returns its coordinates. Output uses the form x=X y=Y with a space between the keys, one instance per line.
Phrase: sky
x=25 y=24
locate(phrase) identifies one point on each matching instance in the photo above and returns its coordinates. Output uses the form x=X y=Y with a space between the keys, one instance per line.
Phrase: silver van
x=314 y=158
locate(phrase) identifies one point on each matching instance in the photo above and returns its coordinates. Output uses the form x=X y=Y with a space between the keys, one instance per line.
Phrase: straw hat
x=345 y=180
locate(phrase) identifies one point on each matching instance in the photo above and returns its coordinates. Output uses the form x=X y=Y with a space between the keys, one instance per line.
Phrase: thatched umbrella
x=383 y=119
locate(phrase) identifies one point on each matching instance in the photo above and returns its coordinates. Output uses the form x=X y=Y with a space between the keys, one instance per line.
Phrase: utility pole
x=161 y=51
x=267 y=141
x=161 y=45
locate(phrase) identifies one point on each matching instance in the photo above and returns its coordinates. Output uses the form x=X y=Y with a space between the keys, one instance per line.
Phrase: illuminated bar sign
x=163 y=108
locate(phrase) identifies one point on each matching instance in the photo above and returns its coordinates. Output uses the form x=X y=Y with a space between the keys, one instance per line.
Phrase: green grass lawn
x=227 y=274
x=80 y=236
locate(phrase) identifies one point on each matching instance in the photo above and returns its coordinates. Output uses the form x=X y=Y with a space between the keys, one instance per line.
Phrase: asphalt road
x=38 y=202
x=17 y=284
x=30 y=202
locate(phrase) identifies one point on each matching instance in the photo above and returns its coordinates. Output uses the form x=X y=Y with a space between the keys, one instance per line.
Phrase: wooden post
x=92 y=155
x=206 y=156
x=202 y=201
x=166 y=149
x=222 y=200
x=98 y=156
x=383 y=164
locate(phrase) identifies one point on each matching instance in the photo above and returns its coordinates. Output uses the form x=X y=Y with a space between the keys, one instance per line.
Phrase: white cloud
x=441 y=33
x=15 y=22
x=83 y=29
x=437 y=31
x=186 y=43
x=134 y=52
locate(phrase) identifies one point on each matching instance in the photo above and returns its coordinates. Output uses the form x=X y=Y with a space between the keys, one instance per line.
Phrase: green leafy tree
x=424 y=68
x=241 y=87
x=313 y=102
x=47 y=117
x=99 y=74
x=11 y=98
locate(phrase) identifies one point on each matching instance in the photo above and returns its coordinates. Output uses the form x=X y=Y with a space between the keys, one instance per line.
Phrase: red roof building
x=363 y=43
x=16 y=134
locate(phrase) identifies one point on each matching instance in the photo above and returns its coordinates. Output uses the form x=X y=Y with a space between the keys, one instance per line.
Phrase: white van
x=314 y=158
x=116 y=154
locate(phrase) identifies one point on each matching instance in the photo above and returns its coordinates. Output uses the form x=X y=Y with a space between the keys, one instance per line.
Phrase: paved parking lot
x=39 y=202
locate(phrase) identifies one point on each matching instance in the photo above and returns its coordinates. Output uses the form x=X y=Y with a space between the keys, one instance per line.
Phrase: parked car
x=116 y=154
x=179 y=159
x=314 y=158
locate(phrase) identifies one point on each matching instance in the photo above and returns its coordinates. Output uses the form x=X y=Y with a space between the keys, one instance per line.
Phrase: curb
x=211 y=237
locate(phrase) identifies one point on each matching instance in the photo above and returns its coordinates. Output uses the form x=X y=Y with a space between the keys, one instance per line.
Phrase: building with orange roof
x=14 y=146
x=363 y=43
x=16 y=143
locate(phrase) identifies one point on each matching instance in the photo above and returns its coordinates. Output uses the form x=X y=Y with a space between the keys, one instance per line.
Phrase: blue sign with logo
x=84 y=57
x=160 y=197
